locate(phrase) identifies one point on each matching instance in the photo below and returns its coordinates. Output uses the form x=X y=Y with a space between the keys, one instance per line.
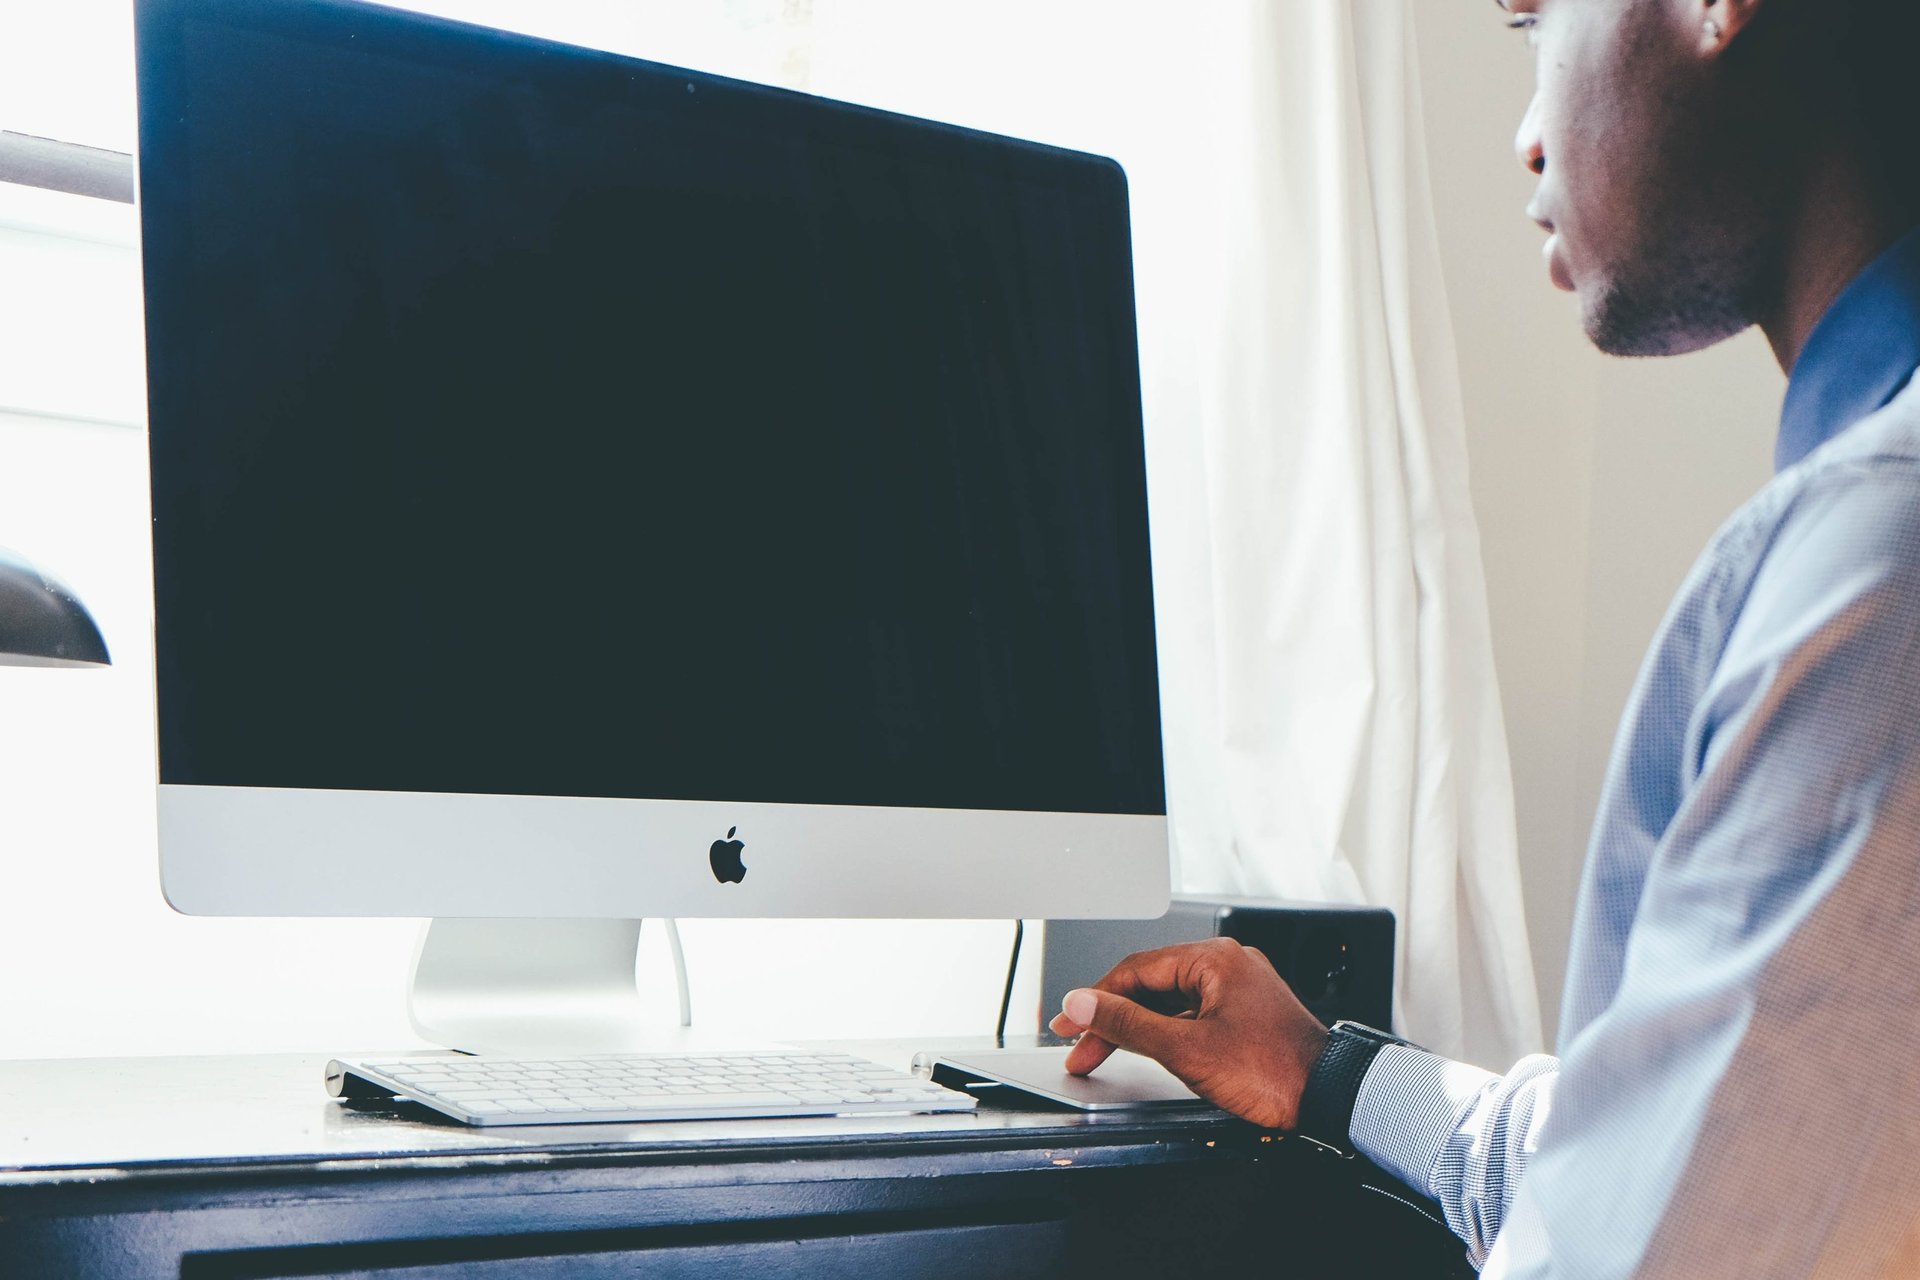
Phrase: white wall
x=1596 y=481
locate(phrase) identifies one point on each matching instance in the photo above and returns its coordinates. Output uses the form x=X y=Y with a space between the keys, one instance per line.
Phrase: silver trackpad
x=1122 y=1081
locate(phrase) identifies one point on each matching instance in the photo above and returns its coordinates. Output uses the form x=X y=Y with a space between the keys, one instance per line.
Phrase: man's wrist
x=1325 y=1113
x=1307 y=1049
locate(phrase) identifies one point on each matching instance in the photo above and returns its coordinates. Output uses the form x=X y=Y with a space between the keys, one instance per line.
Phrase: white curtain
x=1334 y=728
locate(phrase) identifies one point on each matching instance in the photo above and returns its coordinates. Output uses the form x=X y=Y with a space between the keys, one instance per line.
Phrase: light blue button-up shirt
x=1738 y=1088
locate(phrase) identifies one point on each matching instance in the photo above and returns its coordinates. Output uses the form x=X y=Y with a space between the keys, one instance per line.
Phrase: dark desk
x=242 y=1167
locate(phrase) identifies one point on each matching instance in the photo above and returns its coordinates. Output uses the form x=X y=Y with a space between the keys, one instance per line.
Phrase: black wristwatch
x=1333 y=1086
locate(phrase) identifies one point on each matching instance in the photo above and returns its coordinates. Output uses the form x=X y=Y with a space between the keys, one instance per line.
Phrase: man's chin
x=1636 y=324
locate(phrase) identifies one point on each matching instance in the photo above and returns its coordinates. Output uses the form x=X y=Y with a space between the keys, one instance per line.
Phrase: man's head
x=1684 y=148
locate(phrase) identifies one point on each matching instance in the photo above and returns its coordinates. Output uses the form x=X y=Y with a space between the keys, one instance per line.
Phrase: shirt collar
x=1863 y=351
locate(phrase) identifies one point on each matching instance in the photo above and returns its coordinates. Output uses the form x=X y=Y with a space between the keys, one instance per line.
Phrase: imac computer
x=585 y=489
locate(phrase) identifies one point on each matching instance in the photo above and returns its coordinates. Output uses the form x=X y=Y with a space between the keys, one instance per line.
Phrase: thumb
x=1126 y=1025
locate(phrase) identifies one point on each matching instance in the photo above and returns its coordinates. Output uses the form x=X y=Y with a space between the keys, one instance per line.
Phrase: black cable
x=1006 y=997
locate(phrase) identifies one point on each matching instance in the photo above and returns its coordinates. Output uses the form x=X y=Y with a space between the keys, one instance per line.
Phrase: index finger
x=1188 y=969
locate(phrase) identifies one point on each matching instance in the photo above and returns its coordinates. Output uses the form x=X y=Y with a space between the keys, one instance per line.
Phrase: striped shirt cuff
x=1409 y=1105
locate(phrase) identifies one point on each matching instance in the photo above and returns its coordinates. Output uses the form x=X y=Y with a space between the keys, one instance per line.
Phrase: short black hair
x=1848 y=64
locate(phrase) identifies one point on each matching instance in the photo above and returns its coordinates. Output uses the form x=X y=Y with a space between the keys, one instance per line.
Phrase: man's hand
x=1214 y=1013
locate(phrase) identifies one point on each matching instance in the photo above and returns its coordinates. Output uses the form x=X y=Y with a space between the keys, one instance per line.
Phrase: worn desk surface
x=138 y=1169
x=73 y=1119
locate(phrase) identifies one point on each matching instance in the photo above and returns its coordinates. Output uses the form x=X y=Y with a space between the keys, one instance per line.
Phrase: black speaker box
x=1338 y=960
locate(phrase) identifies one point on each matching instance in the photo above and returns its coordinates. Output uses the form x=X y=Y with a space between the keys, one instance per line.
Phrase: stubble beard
x=1680 y=294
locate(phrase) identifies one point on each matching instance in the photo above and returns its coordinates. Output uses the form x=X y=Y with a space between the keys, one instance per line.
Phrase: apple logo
x=725 y=857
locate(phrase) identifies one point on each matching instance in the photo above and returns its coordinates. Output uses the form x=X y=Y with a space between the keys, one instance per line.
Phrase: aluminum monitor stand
x=536 y=988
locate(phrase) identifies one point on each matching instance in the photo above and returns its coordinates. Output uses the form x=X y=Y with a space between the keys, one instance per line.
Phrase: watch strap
x=1333 y=1086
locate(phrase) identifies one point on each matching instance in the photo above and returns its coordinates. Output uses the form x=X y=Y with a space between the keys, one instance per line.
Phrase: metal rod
x=66 y=166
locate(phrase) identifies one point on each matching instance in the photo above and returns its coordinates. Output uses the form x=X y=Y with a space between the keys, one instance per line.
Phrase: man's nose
x=1526 y=143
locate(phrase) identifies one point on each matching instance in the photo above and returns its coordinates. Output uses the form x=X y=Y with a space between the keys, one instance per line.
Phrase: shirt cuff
x=1409 y=1105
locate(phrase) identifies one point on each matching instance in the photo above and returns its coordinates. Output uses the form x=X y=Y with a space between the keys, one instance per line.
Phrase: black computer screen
x=535 y=421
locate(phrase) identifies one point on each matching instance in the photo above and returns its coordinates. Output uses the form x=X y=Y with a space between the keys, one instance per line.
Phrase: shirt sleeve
x=1455 y=1132
x=1729 y=1109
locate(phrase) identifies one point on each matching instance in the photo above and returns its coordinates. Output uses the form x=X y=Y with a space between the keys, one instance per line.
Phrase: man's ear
x=1720 y=22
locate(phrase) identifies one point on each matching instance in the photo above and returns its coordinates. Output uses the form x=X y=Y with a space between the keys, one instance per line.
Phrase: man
x=1738 y=1089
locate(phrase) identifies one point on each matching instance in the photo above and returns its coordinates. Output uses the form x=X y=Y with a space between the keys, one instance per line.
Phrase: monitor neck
x=538 y=988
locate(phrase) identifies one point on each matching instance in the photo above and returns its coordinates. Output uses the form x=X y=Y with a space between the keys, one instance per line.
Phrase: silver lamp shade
x=42 y=623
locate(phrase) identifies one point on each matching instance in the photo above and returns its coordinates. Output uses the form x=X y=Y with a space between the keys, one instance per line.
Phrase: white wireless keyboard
x=630 y=1087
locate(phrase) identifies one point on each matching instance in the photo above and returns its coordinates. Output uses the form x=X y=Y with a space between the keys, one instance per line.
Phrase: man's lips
x=1552 y=251
x=1557 y=264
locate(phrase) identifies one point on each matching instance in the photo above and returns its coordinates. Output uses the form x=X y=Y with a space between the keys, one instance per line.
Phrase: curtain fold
x=1353 y=748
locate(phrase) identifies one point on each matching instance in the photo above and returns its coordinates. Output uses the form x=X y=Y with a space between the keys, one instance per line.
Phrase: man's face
x=1655 y=220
